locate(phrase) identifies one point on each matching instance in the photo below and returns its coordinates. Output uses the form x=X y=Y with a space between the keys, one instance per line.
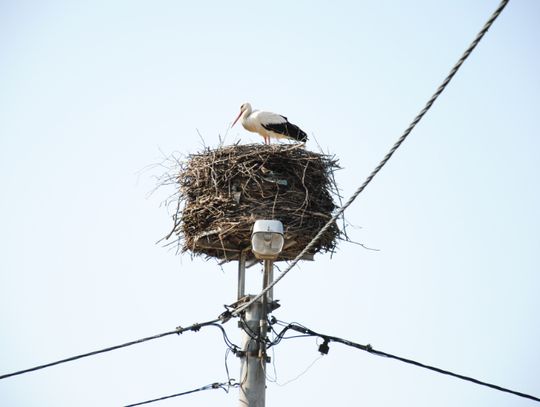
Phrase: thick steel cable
x=179 y=330
x=369 y=348
x=398 y=143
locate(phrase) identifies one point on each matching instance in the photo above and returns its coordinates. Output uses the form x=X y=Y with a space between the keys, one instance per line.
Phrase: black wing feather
x=287 y=129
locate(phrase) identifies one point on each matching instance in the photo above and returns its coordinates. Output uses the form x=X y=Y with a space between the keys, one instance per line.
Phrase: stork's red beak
x=235 y=120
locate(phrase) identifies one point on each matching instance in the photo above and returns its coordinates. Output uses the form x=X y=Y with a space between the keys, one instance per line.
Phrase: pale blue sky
x=91 y=93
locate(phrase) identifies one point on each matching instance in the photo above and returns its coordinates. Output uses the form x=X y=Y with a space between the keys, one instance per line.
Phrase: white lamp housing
x=267 y=239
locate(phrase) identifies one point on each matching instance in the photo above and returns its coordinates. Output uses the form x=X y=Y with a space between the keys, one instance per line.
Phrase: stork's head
x=246 y=107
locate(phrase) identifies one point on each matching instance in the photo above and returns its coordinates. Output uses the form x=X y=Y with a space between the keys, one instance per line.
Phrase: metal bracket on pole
x=241 y=274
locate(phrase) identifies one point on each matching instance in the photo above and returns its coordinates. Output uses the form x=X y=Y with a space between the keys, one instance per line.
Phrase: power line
x=368 y=348
x=178 y=330
x=223 y=386
x=398 y=143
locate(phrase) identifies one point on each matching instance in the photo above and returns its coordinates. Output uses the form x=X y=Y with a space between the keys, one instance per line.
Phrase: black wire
x=179 y=330
x=281 y=335
x=234 y=348
x=277 y=336
x=369 y=348
x=212 y=386
x=297 y=336
x=250 y=332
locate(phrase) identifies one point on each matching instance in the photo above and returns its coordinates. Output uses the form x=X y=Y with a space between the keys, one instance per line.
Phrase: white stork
x=269 y=125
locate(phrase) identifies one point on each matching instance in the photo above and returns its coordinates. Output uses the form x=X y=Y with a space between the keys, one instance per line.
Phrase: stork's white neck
x=245 y=115
x=247 y=111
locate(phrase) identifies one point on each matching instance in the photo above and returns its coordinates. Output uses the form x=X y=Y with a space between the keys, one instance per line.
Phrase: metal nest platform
x=222 y=191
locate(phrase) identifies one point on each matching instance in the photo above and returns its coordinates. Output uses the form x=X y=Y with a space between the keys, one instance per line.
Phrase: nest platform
x=221 y=192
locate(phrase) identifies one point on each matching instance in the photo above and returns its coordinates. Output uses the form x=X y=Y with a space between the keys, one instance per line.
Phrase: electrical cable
x=369 y=348
x=281 y=335
x=227 y=351
x=398 y=143
x=302 y=373
x=178 y=330
x=250 y=332
x=230 y=345
x=223 y=386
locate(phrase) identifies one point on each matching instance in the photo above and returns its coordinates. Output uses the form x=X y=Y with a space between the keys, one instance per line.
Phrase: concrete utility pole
x=266 y=243
x=252 y=370
x=254 y=358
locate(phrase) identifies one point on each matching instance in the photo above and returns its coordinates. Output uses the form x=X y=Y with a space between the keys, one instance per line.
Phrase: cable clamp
x=225 y=316
x=323 y=347
x=195 y=327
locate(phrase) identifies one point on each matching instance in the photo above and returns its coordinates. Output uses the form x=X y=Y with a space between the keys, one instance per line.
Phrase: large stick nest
x=221 y=192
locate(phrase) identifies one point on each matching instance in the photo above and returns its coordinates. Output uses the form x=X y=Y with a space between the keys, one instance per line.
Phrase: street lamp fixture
x=267 y=239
